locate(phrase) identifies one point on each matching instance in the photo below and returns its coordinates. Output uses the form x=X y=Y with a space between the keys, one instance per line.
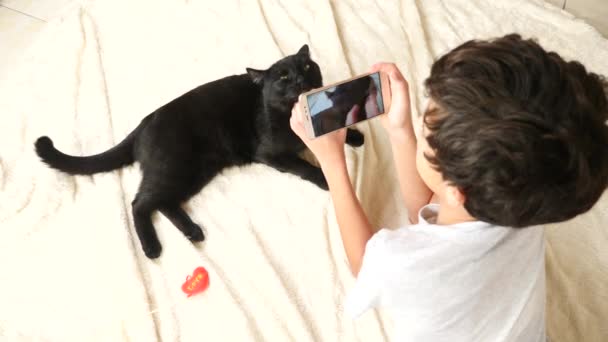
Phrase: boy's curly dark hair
x=521 y=132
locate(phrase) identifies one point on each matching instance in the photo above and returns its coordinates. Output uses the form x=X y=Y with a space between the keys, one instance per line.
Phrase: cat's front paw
x=354 y=137
x=318 y=178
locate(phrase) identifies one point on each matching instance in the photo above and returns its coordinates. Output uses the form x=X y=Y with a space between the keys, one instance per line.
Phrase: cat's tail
x=114 y=158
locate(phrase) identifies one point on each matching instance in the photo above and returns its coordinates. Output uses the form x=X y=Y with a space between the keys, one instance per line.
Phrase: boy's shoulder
x=418 y=244
x=426 y=230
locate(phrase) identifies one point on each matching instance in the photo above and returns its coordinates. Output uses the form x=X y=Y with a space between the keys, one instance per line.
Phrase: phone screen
x=346 y=104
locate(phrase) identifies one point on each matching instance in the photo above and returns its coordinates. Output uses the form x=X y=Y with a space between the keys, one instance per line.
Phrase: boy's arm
x=355 y=228
x=398 y=124
x=414 y=191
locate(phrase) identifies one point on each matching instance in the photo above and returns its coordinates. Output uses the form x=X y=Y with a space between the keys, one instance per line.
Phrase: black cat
x=343 y=98
x=182 y=145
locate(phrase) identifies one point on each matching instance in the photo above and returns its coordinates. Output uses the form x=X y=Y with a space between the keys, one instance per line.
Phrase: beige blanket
x=71 y=268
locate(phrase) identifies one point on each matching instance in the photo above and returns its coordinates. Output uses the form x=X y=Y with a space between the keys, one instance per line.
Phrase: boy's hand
x=399 y=117
x=329 y=148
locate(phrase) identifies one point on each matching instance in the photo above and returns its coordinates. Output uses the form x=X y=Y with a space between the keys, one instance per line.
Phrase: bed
x=71 y=265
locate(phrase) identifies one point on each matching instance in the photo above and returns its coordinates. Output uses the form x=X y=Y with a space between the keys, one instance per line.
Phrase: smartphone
x=345 y=103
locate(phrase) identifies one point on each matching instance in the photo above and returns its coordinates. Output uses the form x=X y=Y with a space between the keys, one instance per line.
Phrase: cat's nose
x=300 y=81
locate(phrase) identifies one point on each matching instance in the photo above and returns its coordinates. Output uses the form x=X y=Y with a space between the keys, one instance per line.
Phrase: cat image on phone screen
x=346 y=104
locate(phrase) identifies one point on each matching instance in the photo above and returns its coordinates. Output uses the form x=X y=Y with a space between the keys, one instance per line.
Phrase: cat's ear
x=304 y=51
x=257 y=76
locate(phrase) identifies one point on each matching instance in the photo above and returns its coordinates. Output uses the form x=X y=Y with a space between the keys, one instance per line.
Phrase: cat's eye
x=284 y=75
x=306 y=66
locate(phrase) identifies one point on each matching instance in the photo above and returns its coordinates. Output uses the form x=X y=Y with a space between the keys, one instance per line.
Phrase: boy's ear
x=454 y=196
x=257 y=76
x=304 y=51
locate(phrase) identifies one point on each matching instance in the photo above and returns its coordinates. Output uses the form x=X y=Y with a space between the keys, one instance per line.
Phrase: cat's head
x=286 y=79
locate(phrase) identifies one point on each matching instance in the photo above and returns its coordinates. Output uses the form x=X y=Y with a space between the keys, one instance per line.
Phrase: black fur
x=184 y=144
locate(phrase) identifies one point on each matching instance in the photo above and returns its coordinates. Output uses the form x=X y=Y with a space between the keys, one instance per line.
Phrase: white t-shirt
x=465 y=282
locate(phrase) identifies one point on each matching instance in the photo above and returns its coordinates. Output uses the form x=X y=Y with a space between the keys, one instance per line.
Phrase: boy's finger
x=384 y=67
x=376 y=67
x=398 y=81
x=298 y=112
x=394 y=74
x=296 y=125
x=293 y=120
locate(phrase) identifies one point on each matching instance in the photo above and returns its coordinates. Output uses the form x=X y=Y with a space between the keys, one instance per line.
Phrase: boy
x=514 y=137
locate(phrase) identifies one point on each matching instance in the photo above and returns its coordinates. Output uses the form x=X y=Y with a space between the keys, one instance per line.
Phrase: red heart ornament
x=198 y=282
